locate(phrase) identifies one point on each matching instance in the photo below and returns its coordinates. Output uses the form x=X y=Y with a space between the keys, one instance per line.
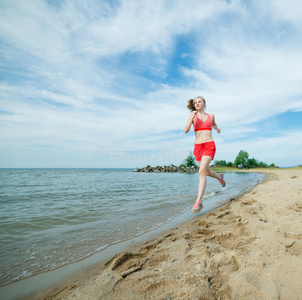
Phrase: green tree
x=230 y=164
x=252 y=163
x=241 y=159
x=262 y=164
x=220 y=163
x=189 y=161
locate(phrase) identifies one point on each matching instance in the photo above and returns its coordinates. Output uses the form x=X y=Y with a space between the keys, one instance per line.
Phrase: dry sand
x=249 y=249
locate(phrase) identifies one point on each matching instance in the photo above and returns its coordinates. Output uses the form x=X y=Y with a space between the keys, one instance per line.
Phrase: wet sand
x=249 y=249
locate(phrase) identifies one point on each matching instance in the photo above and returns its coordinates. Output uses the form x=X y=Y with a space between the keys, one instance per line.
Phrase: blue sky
x=105 y=83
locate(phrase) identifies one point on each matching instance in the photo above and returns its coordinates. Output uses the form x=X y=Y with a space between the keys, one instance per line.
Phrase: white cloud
x=248 y=75
x=35 y=28
x=141 y=26
x=66 y=84
x=287 y=10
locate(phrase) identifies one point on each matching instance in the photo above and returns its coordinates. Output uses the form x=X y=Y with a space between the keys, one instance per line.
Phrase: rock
x=172 y=168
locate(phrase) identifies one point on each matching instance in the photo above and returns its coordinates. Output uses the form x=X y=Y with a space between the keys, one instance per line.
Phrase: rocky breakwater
x=163 y=169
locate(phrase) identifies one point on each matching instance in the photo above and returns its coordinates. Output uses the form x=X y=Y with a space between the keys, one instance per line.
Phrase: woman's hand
x=193 y=114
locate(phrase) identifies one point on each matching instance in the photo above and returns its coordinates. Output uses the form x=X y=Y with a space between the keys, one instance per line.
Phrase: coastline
x=207 y=256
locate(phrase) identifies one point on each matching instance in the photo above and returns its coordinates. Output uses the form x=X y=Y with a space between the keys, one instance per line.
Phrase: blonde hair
x=191 y=103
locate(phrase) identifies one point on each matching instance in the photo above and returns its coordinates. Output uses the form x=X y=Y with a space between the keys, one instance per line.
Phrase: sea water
x=53 y=217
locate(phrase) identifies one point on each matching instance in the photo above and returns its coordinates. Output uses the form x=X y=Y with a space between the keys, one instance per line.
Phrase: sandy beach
x=249 y=249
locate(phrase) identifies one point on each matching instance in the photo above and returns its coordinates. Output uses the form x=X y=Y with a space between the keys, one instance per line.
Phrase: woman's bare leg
x=215 y=175
x=212 y=173
x=204 y=169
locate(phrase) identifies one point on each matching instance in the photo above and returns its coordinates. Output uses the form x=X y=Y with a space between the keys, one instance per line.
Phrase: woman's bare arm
x=215 y=126
x=190 y=121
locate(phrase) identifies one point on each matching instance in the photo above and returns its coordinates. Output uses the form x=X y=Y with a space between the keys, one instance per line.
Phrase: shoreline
x=50 y=280
x=29 y=287
x=142 y=253
x=212 y=201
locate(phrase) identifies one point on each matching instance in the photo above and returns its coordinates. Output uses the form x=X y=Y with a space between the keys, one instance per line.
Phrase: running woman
x=204 y=148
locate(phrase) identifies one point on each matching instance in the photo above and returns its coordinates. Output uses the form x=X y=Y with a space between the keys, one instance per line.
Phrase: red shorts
x=204 y=149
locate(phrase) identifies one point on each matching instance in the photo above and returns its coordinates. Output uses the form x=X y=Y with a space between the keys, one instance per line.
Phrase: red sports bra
x=199 y=125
